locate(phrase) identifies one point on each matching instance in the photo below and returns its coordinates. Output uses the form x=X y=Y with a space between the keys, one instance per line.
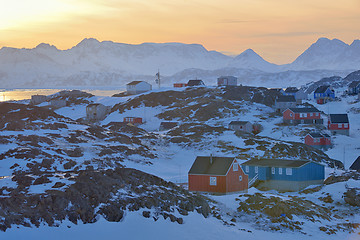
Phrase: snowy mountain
x=329 y=54
x=94 y=63
x=251 y=60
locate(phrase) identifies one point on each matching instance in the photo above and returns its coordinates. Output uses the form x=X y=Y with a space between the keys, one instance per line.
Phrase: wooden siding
x=233 y=184
x=201 y=183
x=323 y=141
x=308 y=172
x=224 y=184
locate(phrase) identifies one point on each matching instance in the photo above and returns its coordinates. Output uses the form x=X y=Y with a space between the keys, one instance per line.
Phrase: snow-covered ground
x=173 y=162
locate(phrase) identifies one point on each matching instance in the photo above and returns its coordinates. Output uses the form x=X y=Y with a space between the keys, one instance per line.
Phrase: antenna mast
x=157 y=80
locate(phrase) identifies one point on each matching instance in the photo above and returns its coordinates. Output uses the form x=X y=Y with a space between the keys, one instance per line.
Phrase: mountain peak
x=249 y=53
x=326 y=42
x=88 y=42
x=45 y=46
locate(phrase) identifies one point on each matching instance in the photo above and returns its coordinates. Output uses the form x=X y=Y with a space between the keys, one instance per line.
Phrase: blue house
x=284 y=175
x=323 y=94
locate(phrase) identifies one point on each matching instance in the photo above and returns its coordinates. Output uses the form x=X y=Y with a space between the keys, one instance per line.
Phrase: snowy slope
x=211 y=110
x=329 y=54
x=251 y=60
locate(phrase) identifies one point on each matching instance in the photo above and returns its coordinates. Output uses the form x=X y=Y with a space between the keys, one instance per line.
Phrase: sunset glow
x=278 y=30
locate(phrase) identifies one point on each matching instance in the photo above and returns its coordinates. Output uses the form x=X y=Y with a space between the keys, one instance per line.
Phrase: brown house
x=217 y=175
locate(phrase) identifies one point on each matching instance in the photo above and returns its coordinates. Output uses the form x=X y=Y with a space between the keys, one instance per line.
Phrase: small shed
x=167 y=125
x=284 y=102
x=136 y=87
x=245 y=126
x=196 y=82
x=283 y=174
x=58 y=103
x=217 y=175
x=180 y=85
x=133 y=120
x=227 y=81
x=356 y=165
x=318 y=140
x=339 y=124
x=96 y=112
x=37 y=99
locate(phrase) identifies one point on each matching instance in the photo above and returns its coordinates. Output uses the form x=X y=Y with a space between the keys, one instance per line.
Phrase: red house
x=307 y=115
x=318 y=140
x=133 y=120
x=339 y=124
x=217 y=175
x=179 y=85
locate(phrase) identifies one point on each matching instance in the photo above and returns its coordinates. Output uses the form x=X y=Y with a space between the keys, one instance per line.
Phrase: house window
x=256 y=169
x=291 y=121
x=302 y=121
x=346 y=125
x=288 y=171
x=291 y=114
x=280 y=171
x=272 y=170
x=212 y=181
x=240 y=178
x=247 y=169
x=339 y=125
x=235 y=167
x=311 y=114
x=304 y=115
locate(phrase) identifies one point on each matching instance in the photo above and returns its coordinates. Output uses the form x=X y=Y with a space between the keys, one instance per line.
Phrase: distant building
x=279 y=90
x=227 y=81
x=354 y=88
x=356 y=165
x=298 y=94
x=296 y=116
x=133 y=120
x=339 y=124
x=136 y=87
x=284 y=102
x=284 y=175
x=180 y=85
x=57 y=103
x=197 y=82
x=318 y=140
x=167 y=125
x=37 y=99
x=245 y=126
x=96 y=112
x=324 y=94
x=217 y=175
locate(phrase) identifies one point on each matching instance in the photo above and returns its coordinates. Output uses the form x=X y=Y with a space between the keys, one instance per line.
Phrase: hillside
x=58 y=172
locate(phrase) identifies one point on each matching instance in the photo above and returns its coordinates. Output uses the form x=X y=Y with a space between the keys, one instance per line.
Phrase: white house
x=227 y=81
x=136 y=87
x=96 y=111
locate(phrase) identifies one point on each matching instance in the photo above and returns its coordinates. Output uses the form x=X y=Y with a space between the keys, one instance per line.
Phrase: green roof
x=219 y=166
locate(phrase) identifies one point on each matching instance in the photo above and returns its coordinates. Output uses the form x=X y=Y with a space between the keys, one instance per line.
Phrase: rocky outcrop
x=109 y=193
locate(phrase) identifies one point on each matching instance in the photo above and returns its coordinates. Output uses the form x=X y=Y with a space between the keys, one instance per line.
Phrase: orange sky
x=279 y=30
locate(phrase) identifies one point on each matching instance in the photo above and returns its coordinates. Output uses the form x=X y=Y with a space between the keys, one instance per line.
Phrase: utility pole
x=157 y=80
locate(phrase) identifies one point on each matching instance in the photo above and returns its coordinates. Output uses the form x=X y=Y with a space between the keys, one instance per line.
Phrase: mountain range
x=94 y=63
